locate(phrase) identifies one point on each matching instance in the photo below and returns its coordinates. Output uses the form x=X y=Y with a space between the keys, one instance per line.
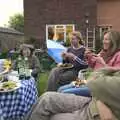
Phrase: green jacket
x=33 y=62
x=106 y=88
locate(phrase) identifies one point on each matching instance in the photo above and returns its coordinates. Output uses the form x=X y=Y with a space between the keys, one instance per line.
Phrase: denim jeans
x=83 y=90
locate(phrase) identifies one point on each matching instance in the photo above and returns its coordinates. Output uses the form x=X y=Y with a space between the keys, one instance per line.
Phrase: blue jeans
x=70 y=88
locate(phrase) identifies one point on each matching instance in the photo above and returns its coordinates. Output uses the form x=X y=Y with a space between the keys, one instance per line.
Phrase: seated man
x=103 y=106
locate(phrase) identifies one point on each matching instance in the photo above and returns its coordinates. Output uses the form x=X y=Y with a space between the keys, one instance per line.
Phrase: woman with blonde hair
x=60 y=76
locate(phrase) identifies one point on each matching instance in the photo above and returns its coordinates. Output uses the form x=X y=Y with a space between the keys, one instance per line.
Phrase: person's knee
x=44 y=99
x=53 y=73
x=55 y=70
x=47 y=96
x=50 y=97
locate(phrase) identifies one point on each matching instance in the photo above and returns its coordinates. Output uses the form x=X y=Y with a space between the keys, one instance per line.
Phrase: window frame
x=56 y=27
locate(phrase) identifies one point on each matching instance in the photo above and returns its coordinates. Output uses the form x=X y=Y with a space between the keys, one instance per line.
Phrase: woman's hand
x=88 y=52
x=100 y=60
x=96 y=56
x=64 y=55
x=67 y=55
x=59 y=64
x=104 y=111
x=71 y=56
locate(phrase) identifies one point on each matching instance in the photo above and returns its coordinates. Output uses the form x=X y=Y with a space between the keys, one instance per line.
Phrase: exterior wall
x=108 y=13
x=38 y=13
x=10 y=41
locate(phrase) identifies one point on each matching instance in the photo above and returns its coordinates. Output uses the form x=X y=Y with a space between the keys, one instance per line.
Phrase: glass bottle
x=27 y=70
x=21 y=70
x=81 y=75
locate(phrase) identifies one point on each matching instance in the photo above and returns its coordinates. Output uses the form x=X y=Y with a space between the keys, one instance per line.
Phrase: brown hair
x=78 y=36
x=114 y=37
x=31 y=47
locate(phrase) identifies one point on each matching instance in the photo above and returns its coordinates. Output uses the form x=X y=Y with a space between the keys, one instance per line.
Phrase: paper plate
x=9 y=86
x=66 y=66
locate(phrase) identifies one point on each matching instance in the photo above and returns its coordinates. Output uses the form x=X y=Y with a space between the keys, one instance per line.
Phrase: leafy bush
x=47 y=63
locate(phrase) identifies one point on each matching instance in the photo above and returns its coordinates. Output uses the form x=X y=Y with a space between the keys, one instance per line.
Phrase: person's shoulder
x=117 y=53
x=82 y=47
x=69 y=49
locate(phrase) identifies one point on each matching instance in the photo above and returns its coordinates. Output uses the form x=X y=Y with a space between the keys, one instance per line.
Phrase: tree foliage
x=17 y=22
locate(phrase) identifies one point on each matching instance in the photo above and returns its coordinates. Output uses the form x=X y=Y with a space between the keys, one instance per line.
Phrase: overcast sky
x=9 y=8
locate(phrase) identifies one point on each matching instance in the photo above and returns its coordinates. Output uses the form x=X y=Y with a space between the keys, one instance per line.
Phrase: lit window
x=103 y=29
x=59 y=32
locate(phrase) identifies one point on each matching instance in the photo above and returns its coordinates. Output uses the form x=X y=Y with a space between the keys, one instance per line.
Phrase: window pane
x=59 y=33
x=51 y=33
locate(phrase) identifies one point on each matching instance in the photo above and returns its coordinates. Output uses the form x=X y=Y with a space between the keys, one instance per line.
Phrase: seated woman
x=27 y=51
x=60 y=76
x=103 y=106
x=108 y=57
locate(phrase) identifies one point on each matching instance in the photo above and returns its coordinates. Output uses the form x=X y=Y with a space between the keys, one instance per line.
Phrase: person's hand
x=71 y=56
x=104 y=111
x=59 y=64
x=100 y=60
x=64 y=55
x=88 y=52
x=84 y=81
x=73 y=83
x=67 y=55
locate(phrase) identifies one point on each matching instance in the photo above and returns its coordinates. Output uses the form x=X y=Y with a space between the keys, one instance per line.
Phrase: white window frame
x=55 y=25
x=102 y=27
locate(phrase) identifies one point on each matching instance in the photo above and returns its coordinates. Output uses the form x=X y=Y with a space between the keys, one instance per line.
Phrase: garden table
x=16 y=104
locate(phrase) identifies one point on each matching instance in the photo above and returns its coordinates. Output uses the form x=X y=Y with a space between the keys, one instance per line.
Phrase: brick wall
x=38 y=13
x=108 y=13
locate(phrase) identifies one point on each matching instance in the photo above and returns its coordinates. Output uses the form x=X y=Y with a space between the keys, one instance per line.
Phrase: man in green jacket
x=104 y=105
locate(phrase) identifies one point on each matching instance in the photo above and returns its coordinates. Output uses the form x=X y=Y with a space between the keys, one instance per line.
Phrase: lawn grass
x=41 y=83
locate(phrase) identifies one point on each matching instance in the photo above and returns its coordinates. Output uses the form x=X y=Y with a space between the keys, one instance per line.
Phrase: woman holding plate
x=63 y=75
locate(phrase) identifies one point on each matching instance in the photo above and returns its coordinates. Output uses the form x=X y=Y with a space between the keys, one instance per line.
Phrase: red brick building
x=108 y=13
x=86 y=15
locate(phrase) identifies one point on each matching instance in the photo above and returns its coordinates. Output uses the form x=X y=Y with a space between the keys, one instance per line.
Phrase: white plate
x=18 y=85
x=13 y=78
x=13 y=75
